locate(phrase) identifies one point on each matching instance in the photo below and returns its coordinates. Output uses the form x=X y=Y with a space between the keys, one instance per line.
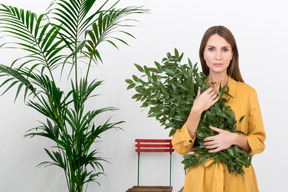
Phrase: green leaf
x=131 y=86
x=230 y=151
x=159 y=67
x=169 y=55
x=172 y=131
x=241 y=119
x=169 y=72
x=200 y=135
x=153 y=70
x=216 y=159
x=241 y=132
x=129 y=81
x=202 y=160
x=139 y=68
x=176 y=52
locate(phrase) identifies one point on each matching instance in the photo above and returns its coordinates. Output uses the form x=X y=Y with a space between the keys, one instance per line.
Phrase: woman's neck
x=215 y=80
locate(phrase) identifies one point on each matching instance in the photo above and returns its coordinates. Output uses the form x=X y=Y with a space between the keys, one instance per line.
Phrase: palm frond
x=72 y=18
x=47 y=130
x=57 y=158
x=43 y=109
x=33 y=34
x=107 y=24
x=16 y=77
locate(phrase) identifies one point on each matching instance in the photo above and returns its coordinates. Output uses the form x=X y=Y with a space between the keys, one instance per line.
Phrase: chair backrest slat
x=154 y=145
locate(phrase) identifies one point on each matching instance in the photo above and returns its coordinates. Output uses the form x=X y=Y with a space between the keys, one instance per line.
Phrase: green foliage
x=69 y=34
x=169 y=90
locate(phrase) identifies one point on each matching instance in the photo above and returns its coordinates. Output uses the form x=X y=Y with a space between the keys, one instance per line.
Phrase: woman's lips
x=217 y=64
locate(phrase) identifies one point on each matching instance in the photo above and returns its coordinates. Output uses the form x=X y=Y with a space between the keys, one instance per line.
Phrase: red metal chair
x=153 y=146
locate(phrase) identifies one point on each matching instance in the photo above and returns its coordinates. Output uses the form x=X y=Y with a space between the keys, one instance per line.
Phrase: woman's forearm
x=241 y=142
x=193 y=122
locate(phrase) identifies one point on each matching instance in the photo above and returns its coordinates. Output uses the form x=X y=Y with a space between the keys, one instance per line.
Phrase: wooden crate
x=150 y=189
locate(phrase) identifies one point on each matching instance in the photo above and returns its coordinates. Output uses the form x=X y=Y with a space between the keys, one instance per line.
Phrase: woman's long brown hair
x=233 y=69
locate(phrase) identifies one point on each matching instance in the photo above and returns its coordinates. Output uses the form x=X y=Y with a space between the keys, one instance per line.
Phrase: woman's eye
x=225 y=50
x=210 y=49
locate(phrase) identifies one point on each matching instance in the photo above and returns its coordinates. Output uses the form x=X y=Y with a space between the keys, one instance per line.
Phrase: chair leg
x=170 y=168
x=138 y=169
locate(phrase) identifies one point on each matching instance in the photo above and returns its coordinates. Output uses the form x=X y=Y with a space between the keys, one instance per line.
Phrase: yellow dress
x=211 y=177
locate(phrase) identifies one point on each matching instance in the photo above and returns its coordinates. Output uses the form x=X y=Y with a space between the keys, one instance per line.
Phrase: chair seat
x=150 y=189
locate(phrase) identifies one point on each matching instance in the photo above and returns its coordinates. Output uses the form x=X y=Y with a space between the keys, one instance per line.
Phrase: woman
x=219 y=60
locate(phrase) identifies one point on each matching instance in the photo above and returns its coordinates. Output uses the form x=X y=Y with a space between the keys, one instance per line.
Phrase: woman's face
x=217 y=54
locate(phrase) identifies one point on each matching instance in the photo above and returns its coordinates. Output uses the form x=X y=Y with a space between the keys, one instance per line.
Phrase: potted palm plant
x=65 y=40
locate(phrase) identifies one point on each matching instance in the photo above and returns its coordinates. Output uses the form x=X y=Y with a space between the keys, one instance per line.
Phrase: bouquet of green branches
x=169 y=90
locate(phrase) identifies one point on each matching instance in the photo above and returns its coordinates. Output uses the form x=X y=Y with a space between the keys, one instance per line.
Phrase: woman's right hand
x=202 y=102
x=205 y=100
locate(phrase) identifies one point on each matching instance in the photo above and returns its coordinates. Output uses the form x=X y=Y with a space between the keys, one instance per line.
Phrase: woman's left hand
x=219 y=142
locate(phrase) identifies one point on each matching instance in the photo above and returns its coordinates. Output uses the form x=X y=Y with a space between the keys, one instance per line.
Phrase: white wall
x=260 y=28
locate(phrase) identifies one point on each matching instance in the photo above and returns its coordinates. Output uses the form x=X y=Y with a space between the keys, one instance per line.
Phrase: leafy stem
x=169 y=90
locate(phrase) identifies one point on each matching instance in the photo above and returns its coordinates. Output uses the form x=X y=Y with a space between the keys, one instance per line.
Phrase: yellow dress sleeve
x=256 y=133
x=182 y=141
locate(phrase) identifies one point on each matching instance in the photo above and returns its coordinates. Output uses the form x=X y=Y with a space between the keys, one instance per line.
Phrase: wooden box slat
x=150 y=189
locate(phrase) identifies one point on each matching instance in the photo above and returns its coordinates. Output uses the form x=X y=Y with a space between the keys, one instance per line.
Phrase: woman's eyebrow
x=221 y=47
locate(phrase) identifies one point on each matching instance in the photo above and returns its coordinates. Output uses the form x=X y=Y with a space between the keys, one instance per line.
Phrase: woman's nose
x=218 y=55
